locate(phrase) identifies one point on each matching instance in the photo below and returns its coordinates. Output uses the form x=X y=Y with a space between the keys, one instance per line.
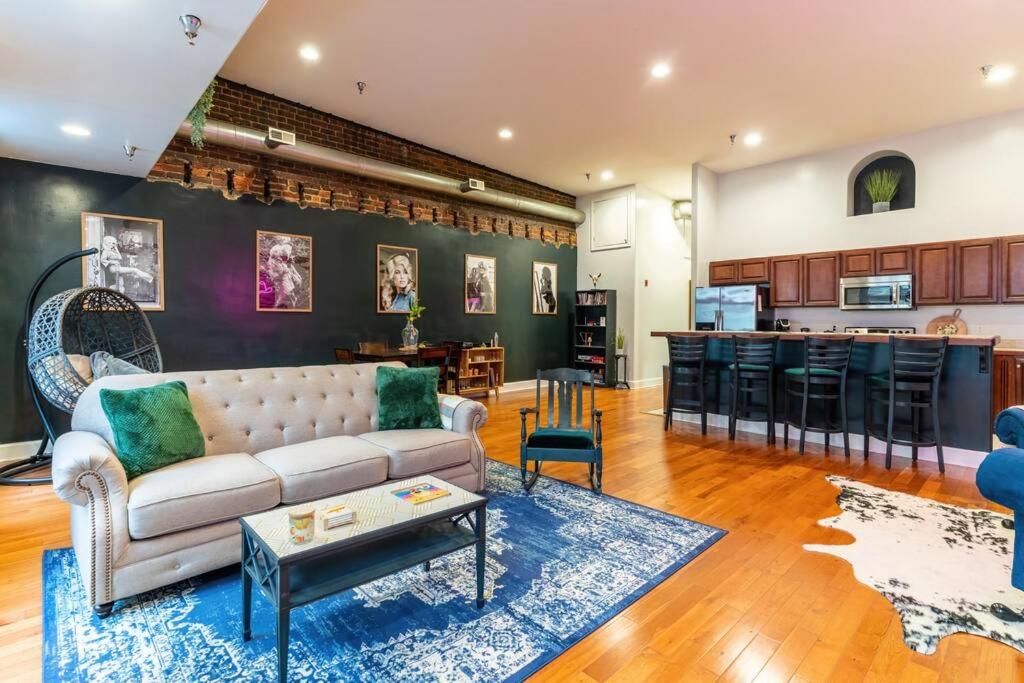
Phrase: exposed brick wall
x=236 y=173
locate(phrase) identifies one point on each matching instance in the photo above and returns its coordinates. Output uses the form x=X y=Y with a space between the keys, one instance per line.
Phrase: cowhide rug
x=942 y=567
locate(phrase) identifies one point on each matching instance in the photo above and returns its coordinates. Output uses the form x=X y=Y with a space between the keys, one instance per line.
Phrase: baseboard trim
x=952 y=456
x=18 y=450
x=644 y=383
x=521 y=385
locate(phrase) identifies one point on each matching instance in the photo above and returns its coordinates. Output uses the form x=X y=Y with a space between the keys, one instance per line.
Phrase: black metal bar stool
x=686 y=359
x=826 y=362
x=915 y=371
x=752 y=371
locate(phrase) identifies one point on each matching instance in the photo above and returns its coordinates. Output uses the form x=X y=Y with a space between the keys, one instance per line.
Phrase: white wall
x=970 y=183
x=659 y=254
x=705 y=222
x=662 y=284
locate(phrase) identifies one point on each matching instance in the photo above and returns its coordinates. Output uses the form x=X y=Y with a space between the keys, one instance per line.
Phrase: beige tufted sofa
x=273 y=436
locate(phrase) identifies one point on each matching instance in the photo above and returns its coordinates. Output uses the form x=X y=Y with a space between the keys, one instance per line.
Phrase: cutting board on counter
x=947 y=325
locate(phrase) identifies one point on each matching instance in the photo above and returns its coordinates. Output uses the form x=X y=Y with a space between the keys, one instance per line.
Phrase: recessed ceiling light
x=309 y=52
x=505 y=133
x=607 y=175
x=76 y=130
x=661 y=70
x=752 y=139
x=998 y=73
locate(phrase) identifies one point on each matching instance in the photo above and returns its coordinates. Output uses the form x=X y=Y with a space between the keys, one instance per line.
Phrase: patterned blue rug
x=561 y=562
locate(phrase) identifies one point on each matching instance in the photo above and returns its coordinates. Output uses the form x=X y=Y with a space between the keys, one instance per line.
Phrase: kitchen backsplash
x=1006 y=321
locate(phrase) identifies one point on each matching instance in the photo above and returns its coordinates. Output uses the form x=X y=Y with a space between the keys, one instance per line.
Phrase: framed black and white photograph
x=481 y=284
x=284 y=272
x=545 y=288
x=130 y=258
x=397 y=272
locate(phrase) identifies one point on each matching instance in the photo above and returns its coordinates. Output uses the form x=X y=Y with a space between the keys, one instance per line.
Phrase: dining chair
x=372 y=347
x=435 y=357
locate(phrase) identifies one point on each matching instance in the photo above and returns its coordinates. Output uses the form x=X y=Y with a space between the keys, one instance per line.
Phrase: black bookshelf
x=593 y=341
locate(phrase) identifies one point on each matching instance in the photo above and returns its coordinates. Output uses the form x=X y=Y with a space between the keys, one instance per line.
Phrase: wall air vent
x=276 y=136
x=472 y=185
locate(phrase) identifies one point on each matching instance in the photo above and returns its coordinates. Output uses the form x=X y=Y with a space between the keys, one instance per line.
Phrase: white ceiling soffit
x=120 y=68
x=572 y=78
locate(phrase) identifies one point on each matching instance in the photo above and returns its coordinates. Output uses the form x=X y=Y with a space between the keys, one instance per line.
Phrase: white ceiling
x=571 y=77
x=121 y=68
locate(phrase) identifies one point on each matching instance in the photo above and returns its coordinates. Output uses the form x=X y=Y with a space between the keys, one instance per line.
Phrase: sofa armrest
x=466 y=416
x=88 y=475
x=76 y=455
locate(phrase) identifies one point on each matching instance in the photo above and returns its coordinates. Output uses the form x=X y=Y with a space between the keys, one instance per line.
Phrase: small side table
x=621 y=383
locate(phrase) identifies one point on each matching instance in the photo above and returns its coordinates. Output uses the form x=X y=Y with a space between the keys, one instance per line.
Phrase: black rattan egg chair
x=76 y=322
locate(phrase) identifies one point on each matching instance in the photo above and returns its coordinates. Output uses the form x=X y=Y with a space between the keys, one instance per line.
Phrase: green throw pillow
x=153 y=426
x=407 y=398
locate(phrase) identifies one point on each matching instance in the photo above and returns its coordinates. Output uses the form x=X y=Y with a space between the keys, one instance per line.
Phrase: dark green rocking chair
x=566 y=440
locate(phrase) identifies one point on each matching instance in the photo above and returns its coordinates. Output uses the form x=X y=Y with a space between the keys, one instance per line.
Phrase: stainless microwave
x=878 y=292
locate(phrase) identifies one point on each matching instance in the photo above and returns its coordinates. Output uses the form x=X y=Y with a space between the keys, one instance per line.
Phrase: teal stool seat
x=561 y=438
x=750 y=366
x=820 y=372
x=878 y=379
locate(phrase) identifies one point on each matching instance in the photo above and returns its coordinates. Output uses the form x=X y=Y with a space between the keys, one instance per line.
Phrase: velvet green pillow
x=153 y=426
x=407 y=398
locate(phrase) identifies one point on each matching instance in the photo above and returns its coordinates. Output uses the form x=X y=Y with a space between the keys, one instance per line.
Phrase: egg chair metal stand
x=80 y=322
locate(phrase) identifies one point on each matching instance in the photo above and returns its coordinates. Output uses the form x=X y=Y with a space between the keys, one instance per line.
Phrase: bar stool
x=752 y=371
x=686 y=359
x=915 y=371
x=826 y=362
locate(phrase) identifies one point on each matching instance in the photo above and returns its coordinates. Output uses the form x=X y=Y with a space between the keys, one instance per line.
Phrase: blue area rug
x=561 y=562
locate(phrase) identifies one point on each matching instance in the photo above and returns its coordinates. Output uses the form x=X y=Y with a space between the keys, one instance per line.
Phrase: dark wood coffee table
x=388 y=535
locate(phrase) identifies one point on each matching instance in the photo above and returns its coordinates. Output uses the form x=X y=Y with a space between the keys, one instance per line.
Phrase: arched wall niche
x=857 y=200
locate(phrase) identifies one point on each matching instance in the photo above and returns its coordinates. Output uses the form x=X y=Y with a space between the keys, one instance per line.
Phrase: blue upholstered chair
x=1001 y=479
x=563 y=439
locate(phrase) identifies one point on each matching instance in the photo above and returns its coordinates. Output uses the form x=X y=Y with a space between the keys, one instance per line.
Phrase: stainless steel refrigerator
x=738 y=308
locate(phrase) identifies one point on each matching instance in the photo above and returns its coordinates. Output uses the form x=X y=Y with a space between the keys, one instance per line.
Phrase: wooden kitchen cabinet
x=821 y=279
x=753 y=270
x=934 y=273
x=894 y=260
x=786 y=281
x=977 y=271
x=1011 y=290
x=858 y=263
x=1007 y=381
x=723 y=273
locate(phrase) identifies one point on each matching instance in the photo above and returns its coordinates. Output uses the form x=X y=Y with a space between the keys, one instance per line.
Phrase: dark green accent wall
x=210 y=321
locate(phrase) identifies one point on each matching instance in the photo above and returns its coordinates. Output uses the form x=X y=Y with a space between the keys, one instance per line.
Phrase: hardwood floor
x=755 y=606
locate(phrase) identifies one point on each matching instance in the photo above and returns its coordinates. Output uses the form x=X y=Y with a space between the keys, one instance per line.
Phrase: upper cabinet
x=977 y=271
x=1011 y=278
x=747 y=271
x=753 y=270
x=858 y=263
x=786 y=282
x=723 y=273
x=894 y=260
x=980 y=271
x=933 y=273
x=821 y=279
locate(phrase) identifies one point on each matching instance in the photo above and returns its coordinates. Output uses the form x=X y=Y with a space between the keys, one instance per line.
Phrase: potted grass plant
x=881 y=186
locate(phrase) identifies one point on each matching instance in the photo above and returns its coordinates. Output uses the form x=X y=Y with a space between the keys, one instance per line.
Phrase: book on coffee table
x=420 y=493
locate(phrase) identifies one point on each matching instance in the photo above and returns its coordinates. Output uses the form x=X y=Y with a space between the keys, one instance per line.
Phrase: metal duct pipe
x=230 y=135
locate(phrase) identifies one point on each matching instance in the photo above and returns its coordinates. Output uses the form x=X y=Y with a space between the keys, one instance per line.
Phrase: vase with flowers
x=410 y=335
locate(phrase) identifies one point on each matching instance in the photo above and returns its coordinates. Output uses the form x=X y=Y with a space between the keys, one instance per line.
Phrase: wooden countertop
x=959 y=340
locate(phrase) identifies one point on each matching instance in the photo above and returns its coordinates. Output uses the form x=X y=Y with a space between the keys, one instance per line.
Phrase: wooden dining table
x=408 y=356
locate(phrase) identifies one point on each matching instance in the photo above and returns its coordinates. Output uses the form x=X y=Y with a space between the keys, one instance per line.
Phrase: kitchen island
x=965 y=394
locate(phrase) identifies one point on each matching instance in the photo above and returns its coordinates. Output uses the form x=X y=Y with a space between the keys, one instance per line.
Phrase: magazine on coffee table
x=420 y=493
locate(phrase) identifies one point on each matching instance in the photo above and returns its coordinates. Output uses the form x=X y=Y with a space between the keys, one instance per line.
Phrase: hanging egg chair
x=79 y=322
